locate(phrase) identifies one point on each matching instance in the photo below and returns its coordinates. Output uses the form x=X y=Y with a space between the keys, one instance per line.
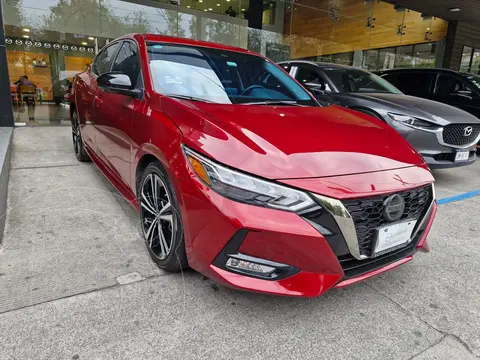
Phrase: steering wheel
x=250 y=88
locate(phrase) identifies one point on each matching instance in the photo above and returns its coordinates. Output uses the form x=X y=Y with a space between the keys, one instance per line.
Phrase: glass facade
x=470 y=60
x=49 y=41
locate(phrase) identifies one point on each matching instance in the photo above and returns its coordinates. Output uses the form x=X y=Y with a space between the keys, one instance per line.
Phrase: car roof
x=319 y=64
x=184 y=41
x=322 y=65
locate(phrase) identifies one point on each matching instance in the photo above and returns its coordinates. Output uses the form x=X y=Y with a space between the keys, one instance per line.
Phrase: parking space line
x=464 y=196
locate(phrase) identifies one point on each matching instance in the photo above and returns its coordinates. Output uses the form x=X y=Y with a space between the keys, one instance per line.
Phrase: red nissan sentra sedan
x=239 y=173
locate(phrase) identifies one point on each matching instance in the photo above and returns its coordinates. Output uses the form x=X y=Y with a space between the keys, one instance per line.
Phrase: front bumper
x=430 y=145
x=216 y=227
x=445 y=158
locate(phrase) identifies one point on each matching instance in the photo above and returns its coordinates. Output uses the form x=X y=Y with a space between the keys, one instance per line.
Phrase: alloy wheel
x=157 y=216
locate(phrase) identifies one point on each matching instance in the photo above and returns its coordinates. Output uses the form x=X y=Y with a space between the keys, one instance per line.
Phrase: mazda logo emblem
x=394 y=207
x=467 y=131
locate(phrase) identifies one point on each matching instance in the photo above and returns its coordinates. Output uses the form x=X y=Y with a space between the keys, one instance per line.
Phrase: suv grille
x=454 y=134
x=367 y=214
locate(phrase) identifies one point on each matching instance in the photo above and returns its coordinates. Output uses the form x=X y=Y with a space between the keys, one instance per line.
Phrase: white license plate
x=394 y=235
x=462 y=156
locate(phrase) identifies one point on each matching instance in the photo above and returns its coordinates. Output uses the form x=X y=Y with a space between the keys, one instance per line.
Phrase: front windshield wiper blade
x=273 y=102
x=188 y=97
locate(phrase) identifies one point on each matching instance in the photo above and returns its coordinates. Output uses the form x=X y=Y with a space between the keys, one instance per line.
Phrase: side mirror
x=117 y=83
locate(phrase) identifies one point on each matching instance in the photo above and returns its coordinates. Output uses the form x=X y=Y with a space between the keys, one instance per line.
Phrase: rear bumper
x=216 y=227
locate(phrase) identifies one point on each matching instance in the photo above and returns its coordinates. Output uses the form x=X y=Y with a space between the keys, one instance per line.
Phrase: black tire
x=78 y=147
x=175 y=259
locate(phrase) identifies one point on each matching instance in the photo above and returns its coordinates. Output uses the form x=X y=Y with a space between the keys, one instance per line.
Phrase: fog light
x=250 y=267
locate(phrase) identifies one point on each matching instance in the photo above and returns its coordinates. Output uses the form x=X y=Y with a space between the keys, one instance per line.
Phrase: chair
x=29 y=91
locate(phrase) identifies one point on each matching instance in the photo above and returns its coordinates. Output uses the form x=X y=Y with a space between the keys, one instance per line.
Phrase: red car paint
x=330 y=151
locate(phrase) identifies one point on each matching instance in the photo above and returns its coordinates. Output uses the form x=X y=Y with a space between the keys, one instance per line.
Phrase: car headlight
x=414 y=122
x=245 y=188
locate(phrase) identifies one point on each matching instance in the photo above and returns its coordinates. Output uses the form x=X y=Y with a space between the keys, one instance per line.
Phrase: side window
x=391 y=78
x=128 y=62
x=305 y=75
x=103 y=60
x=414 y=83
x=447 y=85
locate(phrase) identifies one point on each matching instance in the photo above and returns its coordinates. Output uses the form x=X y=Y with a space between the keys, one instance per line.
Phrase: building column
x=6 y=110
x=254 y=16
x=450 y=46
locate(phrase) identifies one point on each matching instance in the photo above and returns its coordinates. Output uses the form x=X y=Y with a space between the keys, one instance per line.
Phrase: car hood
x=285 y=142
x=439 y=113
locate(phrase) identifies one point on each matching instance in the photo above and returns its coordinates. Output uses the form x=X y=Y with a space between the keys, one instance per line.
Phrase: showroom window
x=466 y=59
x=418 y=55
x=470 y=60
x=342 y=58
x=51 y=41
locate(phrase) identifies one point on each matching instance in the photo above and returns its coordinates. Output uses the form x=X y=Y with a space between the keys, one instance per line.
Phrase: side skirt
x=113 y=179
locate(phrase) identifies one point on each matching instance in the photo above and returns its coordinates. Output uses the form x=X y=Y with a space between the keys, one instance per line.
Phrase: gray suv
x=444 y=135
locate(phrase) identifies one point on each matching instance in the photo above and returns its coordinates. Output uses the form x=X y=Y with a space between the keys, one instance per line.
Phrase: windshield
x=220 y=76
x=359 y=81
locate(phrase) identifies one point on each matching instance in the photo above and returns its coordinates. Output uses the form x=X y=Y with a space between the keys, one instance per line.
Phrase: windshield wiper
x=188 y=97
x=274 y=102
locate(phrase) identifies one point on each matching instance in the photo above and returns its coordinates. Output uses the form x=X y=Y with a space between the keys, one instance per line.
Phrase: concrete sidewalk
x=76 y=283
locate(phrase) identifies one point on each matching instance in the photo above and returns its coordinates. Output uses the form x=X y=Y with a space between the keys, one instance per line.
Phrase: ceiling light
x=228 y=0
x=188 y=6
x=84 y=43
x=218 y=4
x=455 y=9
x=243 y=9
x=91 y=38
x=205 y=10
x=200 y=0
x=26 y=36
x=210 y=9
x=26 y=30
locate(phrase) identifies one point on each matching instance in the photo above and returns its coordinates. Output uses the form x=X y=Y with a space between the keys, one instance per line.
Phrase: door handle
x=98 y=101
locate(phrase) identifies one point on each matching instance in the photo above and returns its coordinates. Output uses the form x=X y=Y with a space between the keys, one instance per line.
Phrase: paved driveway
x=77 y=283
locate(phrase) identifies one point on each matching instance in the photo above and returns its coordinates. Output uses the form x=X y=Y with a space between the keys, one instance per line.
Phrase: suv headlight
x=414 y=122
x=245 y=188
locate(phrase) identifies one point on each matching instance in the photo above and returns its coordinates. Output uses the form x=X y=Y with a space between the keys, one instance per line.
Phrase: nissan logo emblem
x=467 y=131
x=394 y=207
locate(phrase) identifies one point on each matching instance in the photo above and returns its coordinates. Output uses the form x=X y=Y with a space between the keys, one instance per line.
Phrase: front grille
x=367 y=214
x=454 y=134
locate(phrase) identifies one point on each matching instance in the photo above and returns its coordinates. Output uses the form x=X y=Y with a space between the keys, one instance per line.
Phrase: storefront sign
x=47 y=45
